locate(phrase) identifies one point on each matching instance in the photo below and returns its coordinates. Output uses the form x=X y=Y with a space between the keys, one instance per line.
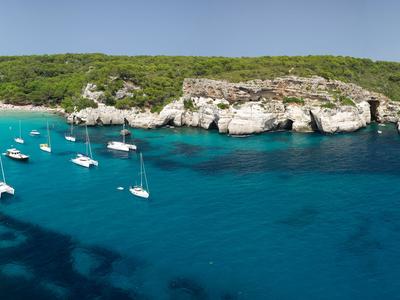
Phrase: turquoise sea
x=272 y=216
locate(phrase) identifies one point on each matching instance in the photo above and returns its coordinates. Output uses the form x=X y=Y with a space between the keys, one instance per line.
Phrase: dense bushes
x=59 y=79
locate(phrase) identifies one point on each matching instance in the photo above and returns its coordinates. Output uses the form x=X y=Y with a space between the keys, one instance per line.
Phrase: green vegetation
x=289 y=100
x=223 y=106
x=188 y=104
x=328 y=105
x=59 y=79
x=346 y=101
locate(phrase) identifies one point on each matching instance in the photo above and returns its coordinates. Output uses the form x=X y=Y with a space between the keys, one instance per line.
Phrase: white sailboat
x=19 y=139
x=4 y=187
x=121 y=146
x=71 y=137
x=87 y=160
x=139 y=190
x=46 y=147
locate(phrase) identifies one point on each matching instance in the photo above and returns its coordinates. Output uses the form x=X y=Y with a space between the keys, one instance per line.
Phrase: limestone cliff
x=287 y=103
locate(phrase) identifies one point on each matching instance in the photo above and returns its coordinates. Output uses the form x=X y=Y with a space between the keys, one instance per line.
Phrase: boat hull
x=45 y=148
x=119 y=146
x=5 y=188
x=19 y=140
x=20 y=158
x=139 y=192
x=70 y=138
x=85 y=161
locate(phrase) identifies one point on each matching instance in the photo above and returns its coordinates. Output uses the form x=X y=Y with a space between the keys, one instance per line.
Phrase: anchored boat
x=4 y=187
x=34 y=132
x=46 y=147
x=87 y=160
x=121 y=146
x=71 y=137
x=139 y=190
x=19 y=139
x=14 y=153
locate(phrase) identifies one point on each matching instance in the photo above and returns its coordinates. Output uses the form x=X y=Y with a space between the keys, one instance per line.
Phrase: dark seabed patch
x=186 y=288
x=300 y=218
x=186 y=149
x=361 y=241
x=48 y=256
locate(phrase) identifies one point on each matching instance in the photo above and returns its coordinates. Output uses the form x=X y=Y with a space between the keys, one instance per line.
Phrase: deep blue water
x=272 y=216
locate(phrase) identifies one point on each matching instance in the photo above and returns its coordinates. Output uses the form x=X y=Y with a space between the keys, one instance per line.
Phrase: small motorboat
x=125 y=132
x=379 y=131
x=16 y=154
x=34 y=132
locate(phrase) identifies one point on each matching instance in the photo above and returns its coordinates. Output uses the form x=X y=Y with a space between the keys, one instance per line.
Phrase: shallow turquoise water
x=272 y=216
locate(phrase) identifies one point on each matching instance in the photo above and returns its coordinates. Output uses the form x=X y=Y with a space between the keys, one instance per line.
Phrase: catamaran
x=4 y=187
x=86 y=160
x=71 y=137
x=46 y=147
x=121 y=146
x=19 y=139
x=16 y=154
x=139 y=190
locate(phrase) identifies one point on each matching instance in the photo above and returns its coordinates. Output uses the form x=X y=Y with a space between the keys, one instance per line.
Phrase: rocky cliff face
x=288 y=103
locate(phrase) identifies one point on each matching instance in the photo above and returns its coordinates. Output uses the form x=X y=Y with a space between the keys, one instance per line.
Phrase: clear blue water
x=272 y=216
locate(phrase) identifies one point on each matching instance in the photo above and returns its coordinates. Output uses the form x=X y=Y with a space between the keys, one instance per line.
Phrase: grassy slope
x=55 y=79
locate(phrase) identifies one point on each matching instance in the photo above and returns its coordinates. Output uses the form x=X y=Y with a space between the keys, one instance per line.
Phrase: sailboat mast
x=141 y=170
x=123 y=133
x=48 y=134
x=145 y=177
x=88 y=148
x=2 y=170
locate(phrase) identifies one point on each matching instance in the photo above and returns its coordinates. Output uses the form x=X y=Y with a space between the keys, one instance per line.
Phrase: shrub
x=346 y=101
x=189 y=105
x=223 y=106
x=328 y=105
x=290 y=100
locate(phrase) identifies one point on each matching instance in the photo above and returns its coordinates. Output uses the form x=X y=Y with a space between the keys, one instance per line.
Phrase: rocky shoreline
x=299 y=104
x=32 y=108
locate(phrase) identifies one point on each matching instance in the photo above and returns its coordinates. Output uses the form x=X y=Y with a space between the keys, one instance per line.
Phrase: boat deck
x=4 y=188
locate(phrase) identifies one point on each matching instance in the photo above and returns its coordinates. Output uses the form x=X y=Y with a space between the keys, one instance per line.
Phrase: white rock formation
x=255 y=107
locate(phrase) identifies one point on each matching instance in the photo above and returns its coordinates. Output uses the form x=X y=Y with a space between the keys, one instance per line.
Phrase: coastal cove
x=276 y=215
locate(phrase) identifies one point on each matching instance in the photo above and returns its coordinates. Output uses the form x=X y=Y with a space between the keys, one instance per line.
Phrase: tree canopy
x=59 y=79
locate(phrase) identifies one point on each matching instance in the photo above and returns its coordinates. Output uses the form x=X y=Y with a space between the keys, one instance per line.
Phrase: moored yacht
x=4 y=187
x=19 y=139
x=87 y=160
x=16 y=154
x=121 y=146
x=46 y=147
x=70 y=136
x=34 y=132
x=140 y=190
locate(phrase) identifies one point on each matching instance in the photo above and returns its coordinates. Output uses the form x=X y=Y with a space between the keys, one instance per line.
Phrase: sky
x=360 y=28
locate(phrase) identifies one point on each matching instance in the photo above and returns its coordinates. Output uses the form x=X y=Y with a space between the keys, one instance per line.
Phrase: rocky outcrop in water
x=288 y=103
